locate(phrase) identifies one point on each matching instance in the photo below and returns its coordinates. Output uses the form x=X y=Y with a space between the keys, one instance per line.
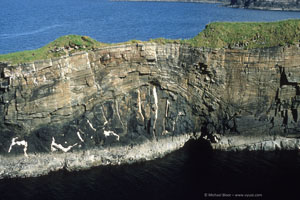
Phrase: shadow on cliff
x=200 y=147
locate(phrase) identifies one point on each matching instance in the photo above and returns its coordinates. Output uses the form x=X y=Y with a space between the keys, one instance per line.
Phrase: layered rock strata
x=110 y=103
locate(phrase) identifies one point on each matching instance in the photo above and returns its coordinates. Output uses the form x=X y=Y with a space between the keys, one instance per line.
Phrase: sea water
x=193 y=172
x=31 y=24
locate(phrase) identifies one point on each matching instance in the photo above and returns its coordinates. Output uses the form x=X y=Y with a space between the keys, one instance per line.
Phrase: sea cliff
x=282 y=5
x=138 y=101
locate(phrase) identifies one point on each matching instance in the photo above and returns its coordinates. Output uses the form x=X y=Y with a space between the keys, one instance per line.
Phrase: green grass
x=164 y=41
x=54 y=49
x=246 y=35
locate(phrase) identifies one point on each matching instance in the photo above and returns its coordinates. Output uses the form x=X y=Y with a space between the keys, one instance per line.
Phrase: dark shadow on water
x=188 y=173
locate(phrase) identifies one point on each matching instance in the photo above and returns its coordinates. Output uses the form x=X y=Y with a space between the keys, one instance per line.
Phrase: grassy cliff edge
x=242 y=35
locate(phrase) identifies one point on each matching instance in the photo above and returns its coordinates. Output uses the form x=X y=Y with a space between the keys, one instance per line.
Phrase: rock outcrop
x=282 y=5
x=100 y=104
x=288 y=5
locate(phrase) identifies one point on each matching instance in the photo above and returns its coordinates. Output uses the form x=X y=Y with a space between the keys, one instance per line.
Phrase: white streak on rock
x=55 y=146
x=165 y=132
x=164 y=119
x=35 y=81
x=216 y=137
x=98 y=86
x=19 y=143
x=91 y=125
x=117 y=109
x=80 y=131
x=140 y=105
x=167 y=107
x=181 y=114
x=79 y=136
x=33 y=66
x=108 y=133
x=88 y=60
x=156 y=107
x=174 y=123
x=105 y=122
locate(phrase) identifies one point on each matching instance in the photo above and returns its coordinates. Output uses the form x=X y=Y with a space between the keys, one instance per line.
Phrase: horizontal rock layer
x=129 y=95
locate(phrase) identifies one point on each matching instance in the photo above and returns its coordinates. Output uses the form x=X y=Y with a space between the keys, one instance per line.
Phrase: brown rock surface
x=131 y=94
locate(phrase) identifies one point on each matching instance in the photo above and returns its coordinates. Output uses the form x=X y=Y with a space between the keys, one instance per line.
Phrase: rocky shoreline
x=269 y=143
x=282 y=5
x=40 y=164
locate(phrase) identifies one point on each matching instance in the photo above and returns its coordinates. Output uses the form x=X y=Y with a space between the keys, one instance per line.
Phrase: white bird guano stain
x=55 y=146
x=156 y=108
x=117 y=109
x=109 y=133
x=79 y=136
x=91 y=125
x=216 y=138
x=105 y=122
x=167 y=107
x=164 y=119
x=140 y=105
x=35 y=82
x=19 y=143
x=174 y=123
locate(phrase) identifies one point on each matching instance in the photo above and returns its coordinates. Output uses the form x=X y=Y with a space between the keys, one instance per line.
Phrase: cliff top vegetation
x=248 y=35
x=245 y=35
x=57 y=48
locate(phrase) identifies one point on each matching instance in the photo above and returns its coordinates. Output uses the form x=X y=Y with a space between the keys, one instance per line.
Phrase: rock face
x=127 y=96
x=292 y=5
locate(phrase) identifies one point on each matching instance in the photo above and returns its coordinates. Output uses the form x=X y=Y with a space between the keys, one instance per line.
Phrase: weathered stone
x=126 y=95
x=292 y=5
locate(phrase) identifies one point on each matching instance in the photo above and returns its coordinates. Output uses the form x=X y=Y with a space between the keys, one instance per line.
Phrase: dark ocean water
x=190 y=173
x=30 y=24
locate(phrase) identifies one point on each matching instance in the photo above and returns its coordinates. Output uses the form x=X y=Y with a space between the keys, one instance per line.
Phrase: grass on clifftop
x=248 y=35
x=245 y=35
x=57 y=48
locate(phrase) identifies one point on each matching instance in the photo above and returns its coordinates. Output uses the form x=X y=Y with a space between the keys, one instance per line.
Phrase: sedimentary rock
x=123 y=97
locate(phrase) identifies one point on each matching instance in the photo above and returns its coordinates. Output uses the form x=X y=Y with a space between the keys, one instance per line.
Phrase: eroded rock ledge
x=147 y=99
